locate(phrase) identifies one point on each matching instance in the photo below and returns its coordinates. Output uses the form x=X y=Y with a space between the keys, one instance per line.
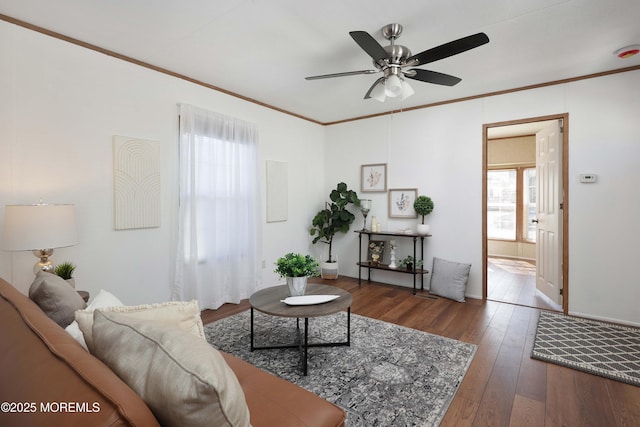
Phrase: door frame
x=565 y=199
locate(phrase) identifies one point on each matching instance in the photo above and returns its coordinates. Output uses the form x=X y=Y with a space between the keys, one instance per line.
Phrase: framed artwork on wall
x=373 y=178
x=401 y=202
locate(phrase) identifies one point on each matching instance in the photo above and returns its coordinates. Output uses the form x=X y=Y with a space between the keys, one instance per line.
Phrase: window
x=218 y=256
x=501 y=204
x=511 y=204
x=529 y=204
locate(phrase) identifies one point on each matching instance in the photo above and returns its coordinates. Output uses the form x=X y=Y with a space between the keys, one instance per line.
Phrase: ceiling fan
x=393 y=61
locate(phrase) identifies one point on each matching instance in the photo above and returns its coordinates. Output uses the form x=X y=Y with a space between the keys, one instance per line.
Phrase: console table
x=379 y=266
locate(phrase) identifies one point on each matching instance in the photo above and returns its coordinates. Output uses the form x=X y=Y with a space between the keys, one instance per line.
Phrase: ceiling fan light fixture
x=393 y=86
x=407 y=90
x=378 y=92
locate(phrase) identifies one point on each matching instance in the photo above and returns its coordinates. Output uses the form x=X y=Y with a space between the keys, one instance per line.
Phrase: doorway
x=525 y=212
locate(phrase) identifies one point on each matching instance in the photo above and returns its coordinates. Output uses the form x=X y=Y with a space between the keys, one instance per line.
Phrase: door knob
x=535 y=221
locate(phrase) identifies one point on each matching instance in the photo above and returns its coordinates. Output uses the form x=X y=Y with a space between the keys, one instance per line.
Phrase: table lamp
x=39 y=228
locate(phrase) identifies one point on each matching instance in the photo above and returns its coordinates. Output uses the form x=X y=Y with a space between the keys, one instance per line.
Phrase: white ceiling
x=262 y=50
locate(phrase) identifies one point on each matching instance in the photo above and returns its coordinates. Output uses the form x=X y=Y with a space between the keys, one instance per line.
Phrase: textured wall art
x=136 y=167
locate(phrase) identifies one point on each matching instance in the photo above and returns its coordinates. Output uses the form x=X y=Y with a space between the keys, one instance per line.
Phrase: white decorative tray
x=309 y=299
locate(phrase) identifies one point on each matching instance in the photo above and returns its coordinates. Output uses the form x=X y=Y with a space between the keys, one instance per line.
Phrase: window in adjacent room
x=501 y=204
x=511 y=204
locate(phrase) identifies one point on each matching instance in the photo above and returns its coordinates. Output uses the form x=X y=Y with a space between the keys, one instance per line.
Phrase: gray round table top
x=268 y=301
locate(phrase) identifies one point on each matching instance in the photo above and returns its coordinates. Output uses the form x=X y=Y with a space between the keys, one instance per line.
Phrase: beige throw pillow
x=55 y=297
x=185 y=314
x=184 y=380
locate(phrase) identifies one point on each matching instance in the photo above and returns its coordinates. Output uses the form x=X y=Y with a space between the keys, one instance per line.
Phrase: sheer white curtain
x=218 y=258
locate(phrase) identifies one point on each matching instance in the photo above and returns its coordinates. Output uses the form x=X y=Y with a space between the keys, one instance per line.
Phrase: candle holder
x=392 y=260
x=365 y=207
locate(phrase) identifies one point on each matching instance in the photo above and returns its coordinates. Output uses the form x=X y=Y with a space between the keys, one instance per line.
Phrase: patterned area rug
x=389 y=376
x=599 y=348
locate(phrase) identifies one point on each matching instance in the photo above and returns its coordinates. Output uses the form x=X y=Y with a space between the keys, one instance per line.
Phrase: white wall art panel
x=136 y=183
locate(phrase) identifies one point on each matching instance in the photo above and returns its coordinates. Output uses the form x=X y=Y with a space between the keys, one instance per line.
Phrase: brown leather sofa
x=48 y=379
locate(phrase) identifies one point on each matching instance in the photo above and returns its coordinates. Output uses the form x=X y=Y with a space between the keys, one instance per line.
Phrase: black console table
x=380 y=266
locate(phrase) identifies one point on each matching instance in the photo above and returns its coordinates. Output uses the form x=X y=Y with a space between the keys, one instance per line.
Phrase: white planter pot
x=329 y=270
x=423 y=229
x=297 y=285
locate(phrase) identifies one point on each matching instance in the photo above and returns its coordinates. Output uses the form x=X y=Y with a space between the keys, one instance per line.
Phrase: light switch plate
x=588 y=178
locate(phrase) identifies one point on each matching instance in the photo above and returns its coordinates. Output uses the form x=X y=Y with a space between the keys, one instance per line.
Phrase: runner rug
x=599 y=348
x=389 y=376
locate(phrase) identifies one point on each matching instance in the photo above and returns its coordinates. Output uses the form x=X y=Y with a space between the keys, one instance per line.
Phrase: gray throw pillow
x=56 y=298
x=181 y=377
x=449 y=279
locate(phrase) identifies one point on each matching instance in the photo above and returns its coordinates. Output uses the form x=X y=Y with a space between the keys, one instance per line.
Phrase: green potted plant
x=334 y=218
x=296 y=269
x=423 y=205
x=409 y=263
x=65 y=270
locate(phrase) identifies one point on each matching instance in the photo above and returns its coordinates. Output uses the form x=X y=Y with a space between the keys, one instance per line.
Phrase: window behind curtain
x=219 y=233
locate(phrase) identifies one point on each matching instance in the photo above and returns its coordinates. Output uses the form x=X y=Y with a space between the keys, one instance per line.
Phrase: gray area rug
x=389 y=376
x=599 y=348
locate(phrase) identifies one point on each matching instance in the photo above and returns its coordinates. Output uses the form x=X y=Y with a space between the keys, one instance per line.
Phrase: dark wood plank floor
x=514 y=281
x=503 y=386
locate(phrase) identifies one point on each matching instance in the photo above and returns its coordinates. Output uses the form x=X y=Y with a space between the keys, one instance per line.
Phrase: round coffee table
x=269 y=301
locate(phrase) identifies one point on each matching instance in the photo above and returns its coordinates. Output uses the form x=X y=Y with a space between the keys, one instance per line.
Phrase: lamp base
x=44 y=264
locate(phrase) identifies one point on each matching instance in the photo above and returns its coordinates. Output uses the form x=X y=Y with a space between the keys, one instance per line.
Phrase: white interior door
x=549 y=212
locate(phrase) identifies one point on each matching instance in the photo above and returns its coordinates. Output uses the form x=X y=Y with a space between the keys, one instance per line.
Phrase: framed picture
x=375 y=250
x=401 y=202
x=373 y=178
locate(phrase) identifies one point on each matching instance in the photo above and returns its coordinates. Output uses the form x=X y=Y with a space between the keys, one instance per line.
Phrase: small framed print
x=401 y=202
x=375 y=250
x=373 y=178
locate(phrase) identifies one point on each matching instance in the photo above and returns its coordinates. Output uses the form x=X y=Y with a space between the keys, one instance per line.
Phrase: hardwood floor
x=514 y=281
x=503 y=386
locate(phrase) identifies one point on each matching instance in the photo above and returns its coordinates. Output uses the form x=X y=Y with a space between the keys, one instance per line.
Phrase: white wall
x=61 y=106
x=438 y=150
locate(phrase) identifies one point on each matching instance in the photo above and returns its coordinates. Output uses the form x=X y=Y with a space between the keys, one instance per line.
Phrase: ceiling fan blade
x=346 y=73
x=449 y=49
x=369 y=45
x=373 y=86
x=432 y=77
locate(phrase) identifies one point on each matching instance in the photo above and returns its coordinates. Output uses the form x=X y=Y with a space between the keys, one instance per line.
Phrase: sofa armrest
x=273 y=401
x=43 y=364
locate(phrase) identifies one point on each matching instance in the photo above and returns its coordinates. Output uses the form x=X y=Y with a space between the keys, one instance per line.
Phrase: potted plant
x=409 y=263
x=296 y=269
x=423 y=205
x=334 y=218
x=65 y=270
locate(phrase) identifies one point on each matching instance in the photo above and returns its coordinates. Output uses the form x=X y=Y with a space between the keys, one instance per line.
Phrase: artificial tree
x=335 y=217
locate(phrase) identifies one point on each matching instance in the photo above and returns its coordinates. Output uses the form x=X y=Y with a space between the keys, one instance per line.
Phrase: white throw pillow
x=183 y=380
x=102 y=300
x=184 y=314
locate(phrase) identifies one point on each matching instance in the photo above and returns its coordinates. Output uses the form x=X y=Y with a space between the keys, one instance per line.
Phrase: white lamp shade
x=407 y=90
x=378 y=92
x=393 y=86
x=36 y=227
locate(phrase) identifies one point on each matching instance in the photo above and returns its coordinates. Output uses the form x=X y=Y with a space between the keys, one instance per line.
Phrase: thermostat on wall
x=588 y=178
